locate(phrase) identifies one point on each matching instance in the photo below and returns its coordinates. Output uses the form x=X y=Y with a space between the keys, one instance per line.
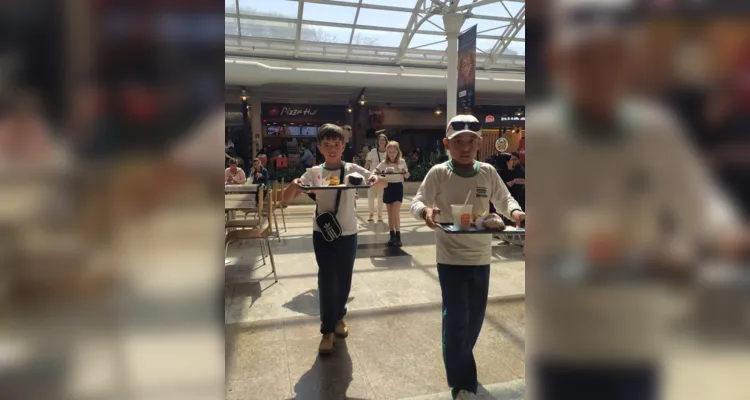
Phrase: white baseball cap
x=462 y=124
x=577 y=21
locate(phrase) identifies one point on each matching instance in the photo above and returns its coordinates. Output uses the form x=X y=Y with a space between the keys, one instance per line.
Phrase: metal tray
x=337 y=187
x=451 y=229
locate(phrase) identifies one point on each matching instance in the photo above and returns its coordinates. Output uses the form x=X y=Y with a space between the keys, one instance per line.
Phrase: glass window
x=276 y=8
x=326 y=34
x=366 y=37
x=516 y=48
x=230 y=26
x=428 y=42
x=329 y=13
x=393 y=3
x=387 y=19
x=268 y=29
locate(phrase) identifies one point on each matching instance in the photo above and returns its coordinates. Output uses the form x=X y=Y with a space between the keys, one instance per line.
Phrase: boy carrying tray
x=463 y=260
x=334 y=234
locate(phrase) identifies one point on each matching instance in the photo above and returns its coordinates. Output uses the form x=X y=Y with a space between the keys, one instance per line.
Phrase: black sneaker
x=392 y=240
x=397 y=241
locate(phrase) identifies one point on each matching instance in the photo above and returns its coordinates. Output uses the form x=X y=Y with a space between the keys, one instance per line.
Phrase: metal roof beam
x=298 y=33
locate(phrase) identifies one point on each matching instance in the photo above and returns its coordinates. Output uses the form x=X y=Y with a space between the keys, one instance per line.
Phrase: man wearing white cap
x=463 y=260
x=610 y=171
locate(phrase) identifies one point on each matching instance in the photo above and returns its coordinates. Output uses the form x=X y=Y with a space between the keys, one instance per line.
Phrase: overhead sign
x=467 y=64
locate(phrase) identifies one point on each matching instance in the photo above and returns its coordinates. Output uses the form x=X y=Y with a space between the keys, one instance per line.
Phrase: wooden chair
x=277 y=200
x=243 y=231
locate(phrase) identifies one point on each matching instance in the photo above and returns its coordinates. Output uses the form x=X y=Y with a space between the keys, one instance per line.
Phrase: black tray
x=449 y=228
x=337 y=187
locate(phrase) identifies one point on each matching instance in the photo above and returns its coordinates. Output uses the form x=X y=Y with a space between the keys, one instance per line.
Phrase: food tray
x=450 y=228
x=336 y=187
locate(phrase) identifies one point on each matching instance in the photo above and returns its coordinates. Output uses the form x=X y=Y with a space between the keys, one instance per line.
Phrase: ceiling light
x=362 y=100
x=349 y=109
x=243 y=94
x=438 y=111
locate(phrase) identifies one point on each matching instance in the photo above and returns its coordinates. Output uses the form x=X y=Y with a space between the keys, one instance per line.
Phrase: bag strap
x=338 y=193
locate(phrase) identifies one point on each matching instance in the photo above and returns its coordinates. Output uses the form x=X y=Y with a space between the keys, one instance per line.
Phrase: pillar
x=452 y=23
x=256 y=124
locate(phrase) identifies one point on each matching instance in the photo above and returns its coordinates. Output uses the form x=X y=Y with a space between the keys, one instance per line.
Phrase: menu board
x=276 y=130
x=309 y=131
x=292 y=130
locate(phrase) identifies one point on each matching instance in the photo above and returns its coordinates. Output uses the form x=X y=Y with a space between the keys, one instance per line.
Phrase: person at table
x=234 y=175
x=259 y=174
x=514 y=177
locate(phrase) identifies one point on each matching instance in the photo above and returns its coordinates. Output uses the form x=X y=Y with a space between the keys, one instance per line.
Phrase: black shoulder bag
x=327 y=222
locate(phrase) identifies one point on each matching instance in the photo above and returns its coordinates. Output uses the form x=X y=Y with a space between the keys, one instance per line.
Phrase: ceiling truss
x=363 y=30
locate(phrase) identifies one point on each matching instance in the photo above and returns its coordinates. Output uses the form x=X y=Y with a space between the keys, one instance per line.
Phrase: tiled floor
x=394 y=349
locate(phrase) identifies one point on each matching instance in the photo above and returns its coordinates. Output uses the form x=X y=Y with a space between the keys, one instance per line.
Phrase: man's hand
x=518 y=216
x=429 y=216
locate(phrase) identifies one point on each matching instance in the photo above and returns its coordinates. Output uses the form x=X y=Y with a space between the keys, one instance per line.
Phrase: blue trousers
x=335 y=267
x=464 y=290
x=567 y=381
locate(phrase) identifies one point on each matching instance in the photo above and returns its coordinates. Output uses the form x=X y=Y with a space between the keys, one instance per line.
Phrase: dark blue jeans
x=335 y=267
x=464 y=290
x=565 y=381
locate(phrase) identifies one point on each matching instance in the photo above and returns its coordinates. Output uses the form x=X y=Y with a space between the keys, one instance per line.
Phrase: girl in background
x=396 y=171
x=374 y=194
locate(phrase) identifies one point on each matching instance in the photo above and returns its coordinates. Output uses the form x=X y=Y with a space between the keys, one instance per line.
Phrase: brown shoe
x=326 y=344
x=342 y=330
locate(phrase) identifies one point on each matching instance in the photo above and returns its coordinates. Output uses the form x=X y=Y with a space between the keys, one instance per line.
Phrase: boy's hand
x=518 y=216
x=378 y=182
x=429 y=216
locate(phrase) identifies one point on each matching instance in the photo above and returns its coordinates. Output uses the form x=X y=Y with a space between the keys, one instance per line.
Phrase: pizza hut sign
x=293 y=112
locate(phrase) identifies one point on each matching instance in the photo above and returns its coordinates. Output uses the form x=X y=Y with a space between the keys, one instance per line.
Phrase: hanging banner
x=467 y=64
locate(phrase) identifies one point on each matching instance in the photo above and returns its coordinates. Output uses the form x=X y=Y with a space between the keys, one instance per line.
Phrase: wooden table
x=249 y=188
x=241 y=198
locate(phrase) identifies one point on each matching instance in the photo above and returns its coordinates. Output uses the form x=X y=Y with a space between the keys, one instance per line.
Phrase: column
x=452 y=23
x=256 y=124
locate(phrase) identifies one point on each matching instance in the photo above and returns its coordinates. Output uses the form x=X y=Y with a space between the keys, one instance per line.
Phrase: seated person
x=234 y=175
x=258 y=173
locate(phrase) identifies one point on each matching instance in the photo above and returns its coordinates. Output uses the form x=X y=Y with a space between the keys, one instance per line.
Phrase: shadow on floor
x=328 y=378
x=307 y=303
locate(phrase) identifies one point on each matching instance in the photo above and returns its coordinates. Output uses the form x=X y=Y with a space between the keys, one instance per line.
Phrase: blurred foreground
x=639 y=174
x=111 y=128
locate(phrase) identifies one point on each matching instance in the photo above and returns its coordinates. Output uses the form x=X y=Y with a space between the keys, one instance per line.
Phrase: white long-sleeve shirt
x=623 y=184
x=326 y=199
x=444 y=186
